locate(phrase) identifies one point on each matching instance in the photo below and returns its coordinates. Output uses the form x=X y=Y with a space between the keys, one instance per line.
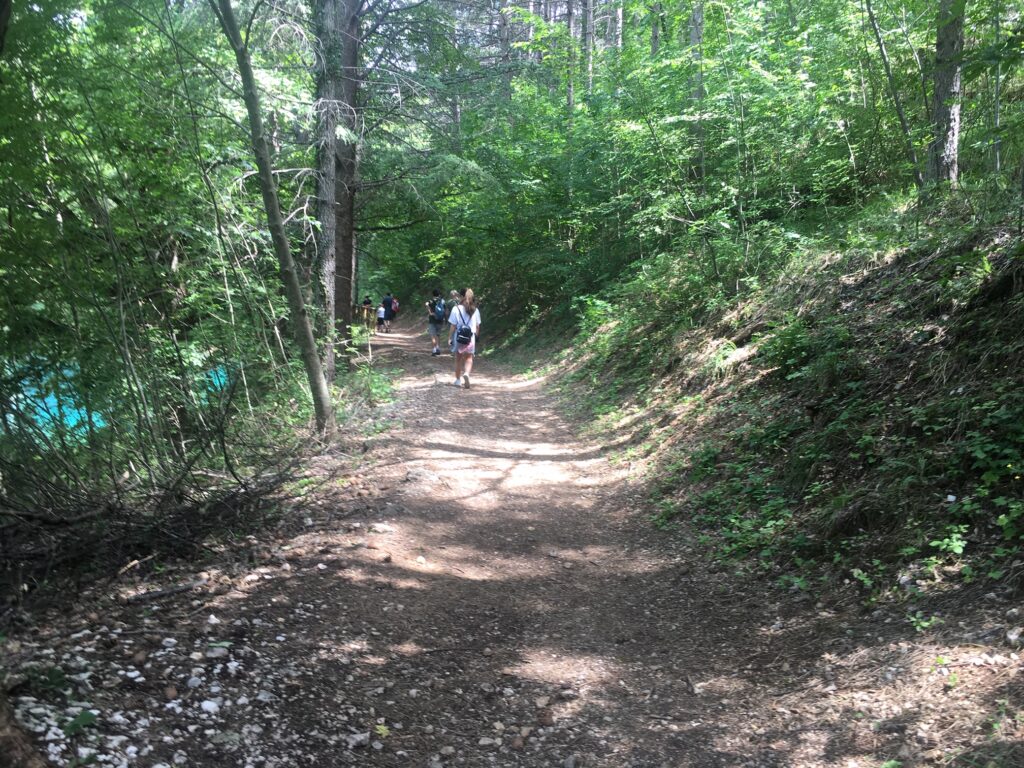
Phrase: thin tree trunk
x=588 y=42
x=997 y=146
x=697 y=83
x=570 y=90
x=620 y=22
x=894 y=92
x=505 y=46
x=289 y=274
x=655 y=28
x=949 y=45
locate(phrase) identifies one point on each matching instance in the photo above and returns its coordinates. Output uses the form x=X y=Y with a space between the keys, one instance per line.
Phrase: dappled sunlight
x=554 y=666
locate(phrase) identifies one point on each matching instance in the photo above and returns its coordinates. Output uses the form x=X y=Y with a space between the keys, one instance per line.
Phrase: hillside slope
x=859 y=414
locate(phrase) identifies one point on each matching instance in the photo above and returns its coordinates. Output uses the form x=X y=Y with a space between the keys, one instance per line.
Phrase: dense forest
x=828 y=193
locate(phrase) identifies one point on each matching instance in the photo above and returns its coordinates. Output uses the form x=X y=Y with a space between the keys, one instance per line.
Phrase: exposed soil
x=485 y=589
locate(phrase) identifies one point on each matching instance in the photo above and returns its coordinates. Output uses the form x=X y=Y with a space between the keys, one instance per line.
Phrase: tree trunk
x=328 y=86
x=588 y=42
x=16 y=748
x=655 y=28
x=5 y=19
x=289 y=274
x=949 y=47
x=894 y=92
x=350 y=117
x=505 y=46
x=570 y=90
x=997 y=145
x=697 y=84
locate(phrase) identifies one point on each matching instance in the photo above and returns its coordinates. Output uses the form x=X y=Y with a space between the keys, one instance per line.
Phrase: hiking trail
x=486 y=591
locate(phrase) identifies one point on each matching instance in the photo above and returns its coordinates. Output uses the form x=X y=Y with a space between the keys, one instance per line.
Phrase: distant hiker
x=463 y=327
x=368 y=311
x=381 y=313
x=389 y=311
x=437 y=313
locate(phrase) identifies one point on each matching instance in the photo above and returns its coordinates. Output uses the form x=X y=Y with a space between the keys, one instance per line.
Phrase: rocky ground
x=485 y=589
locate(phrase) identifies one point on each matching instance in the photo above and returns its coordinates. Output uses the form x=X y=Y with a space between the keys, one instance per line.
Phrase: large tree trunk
x=350 y=117
x=949 y=46
x=16 y=749
x=289 y=274
x=894 y=92
x=328 y=85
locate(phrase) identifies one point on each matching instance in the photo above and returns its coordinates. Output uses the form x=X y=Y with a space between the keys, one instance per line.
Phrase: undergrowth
x=860 y=403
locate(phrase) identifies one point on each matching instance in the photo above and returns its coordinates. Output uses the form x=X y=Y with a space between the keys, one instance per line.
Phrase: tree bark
x=894 y=92
x=570 y=85
x=289 y=273
x=949 y=46
x=16 y=749
x=655 y=28
x=350 y=117
x=328 y=79
x=997 y=144
x=697 y=84
x=588 y=42
x=5 y=19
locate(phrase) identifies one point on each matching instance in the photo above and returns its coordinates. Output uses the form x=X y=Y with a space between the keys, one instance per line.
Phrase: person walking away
x=436 y=315
x=463 y=327
x=454 y=299
x=389 y=311
x=381 y=311
x=368 y=312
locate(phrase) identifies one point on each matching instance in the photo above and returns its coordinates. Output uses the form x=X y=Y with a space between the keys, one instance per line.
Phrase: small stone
x=356 y=740
x=545 y=717
x=421 y=560
x=448 y=751
x=486 y=741
x=518 y=742
x=194 y=682
x=542 y=701
x=210 y=707
x=213 y=620
x=170 y=693
x=1013 y=635
x=488 y=651
x=216 y=652
x=140 y=658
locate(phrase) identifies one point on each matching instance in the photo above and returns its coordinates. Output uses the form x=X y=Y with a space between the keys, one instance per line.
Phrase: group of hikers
x=460 y=314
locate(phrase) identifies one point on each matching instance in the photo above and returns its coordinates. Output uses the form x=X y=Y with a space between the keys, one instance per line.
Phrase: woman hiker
x=463 y=327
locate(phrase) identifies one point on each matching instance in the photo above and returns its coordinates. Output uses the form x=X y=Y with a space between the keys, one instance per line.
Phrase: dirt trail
x=488 y=592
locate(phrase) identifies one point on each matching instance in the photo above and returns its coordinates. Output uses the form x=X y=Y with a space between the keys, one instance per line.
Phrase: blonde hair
x=469 y=299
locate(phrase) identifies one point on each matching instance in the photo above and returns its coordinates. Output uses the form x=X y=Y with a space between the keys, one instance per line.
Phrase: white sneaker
x=456 y=383
x=465 y=380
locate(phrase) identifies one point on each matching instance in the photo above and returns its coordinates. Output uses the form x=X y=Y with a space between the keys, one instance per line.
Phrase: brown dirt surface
x=484 y=588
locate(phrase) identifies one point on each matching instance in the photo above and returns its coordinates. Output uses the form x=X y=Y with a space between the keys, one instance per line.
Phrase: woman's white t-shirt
x=457 y=317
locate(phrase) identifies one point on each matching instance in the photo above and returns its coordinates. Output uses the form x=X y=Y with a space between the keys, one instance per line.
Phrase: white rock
x=356 y=740
x=169 y=642
x=212 y=619
x=210 y=706
x=216 y=652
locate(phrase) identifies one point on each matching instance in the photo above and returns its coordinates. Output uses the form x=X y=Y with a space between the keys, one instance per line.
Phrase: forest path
x=485 y=590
